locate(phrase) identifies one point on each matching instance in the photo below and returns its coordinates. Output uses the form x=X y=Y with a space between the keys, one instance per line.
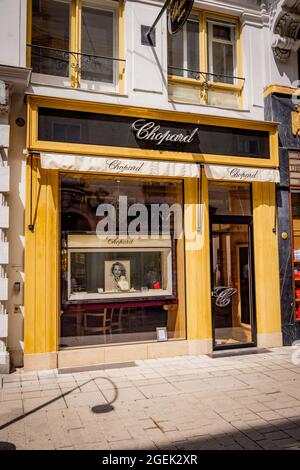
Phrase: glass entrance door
x=232 y=296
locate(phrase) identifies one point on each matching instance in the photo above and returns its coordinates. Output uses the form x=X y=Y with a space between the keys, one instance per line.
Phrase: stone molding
x=286 y=29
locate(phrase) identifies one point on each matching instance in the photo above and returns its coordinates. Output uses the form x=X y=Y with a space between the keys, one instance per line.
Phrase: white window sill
x=35 y=80
x=200 y=105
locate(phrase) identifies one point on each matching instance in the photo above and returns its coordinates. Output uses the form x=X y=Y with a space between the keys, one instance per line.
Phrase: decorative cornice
x=286 y=29
x=16 y=77
x=279 y=89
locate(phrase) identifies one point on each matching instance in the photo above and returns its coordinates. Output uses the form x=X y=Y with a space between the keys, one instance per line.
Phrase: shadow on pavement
x=7 y=446
x=96 y=409
x=284 y=435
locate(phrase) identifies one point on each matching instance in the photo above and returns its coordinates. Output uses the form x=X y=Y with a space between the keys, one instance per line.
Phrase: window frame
x=98 y=85
x=195 y=19
x=74 y=79
x=237 y=87
x=210 y=22
x=48 y=79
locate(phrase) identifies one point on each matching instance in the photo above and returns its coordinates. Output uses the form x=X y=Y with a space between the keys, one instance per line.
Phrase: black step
x=237 y=352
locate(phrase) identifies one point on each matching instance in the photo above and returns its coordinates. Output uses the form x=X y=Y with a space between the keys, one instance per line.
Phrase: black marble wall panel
x=278 y=108
x=285 y=263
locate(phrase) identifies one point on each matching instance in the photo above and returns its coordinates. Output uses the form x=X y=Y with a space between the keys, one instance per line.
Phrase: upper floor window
x=183 y=49
x=75 y=42
x=98 y=42
x=202 y=61
x=221 y=51
x=50 y=35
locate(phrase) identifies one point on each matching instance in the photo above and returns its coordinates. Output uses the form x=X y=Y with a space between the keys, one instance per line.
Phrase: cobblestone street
x=249 y=401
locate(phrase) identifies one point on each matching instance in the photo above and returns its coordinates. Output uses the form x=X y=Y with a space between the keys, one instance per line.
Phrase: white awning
x=120 y=166
x=244 y=174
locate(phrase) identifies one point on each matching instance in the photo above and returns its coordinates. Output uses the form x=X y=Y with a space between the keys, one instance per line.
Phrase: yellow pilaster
x=41 y=261
x=198 y=288
x=266 y=262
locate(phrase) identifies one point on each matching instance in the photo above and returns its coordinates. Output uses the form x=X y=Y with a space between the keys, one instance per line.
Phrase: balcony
x=72 y=69
x=196 y=87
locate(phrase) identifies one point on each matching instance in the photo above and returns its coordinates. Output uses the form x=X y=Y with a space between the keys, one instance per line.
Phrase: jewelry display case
x=117 y=267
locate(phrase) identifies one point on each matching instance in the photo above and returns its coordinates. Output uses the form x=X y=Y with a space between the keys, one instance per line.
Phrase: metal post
x=148 y=34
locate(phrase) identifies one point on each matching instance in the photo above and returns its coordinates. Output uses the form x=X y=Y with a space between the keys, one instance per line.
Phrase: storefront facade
x=185 y=281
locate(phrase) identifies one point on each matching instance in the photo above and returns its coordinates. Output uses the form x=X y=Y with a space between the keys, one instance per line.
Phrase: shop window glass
x=225 y=199
x=50 y=37
x=118 y=288
x=231 y=284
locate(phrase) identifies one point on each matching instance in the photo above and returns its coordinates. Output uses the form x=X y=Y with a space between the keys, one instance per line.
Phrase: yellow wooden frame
x=282 y=89
x=42 y=307
x=41 y=297
x=75 y=41
x=266 y=260
x=203 y=44
x=38 y=145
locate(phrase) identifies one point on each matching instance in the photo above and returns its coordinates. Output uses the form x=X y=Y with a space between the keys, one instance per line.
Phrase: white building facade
x=75 y=77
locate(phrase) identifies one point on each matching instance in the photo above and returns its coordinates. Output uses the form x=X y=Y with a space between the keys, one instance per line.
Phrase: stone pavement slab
x=185 y=403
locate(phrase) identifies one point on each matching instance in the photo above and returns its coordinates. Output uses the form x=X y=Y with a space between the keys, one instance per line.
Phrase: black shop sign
x=57 y=125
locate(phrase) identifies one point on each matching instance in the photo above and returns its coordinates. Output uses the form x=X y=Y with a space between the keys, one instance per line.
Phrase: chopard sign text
x=120 y=167
x=177 y=10
x=243 y=174
x=178 y=13
x=149 y=130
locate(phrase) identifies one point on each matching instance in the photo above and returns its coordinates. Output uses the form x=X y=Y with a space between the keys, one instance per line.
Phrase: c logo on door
x=223 y=295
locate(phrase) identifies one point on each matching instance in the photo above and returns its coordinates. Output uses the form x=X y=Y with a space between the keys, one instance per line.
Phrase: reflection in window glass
x=221 y=32
x=223 y=60
x=192 y=31
x=221 y=51
x=176 y=53
x=97 y=44
x=50 y=37
x=183 y=50
x=231 y=286
x=227 y=199
x=116 y=290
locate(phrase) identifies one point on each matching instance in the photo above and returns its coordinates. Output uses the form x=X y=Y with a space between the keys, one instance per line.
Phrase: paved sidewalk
x=191 y=402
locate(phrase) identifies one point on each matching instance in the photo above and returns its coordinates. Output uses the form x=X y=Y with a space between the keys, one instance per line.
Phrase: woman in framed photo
x=119 y=274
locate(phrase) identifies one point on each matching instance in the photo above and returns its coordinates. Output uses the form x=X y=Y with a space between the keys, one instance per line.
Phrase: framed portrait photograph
x=117 y=276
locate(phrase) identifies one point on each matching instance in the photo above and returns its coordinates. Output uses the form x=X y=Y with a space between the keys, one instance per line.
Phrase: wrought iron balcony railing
x=206 y=79
x=76 y=66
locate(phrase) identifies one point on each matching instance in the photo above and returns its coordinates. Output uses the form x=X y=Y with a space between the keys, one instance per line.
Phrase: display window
x=230 y=199
x=118 y=287
x=295 y=202
x=104 y=272
x=294 y=174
